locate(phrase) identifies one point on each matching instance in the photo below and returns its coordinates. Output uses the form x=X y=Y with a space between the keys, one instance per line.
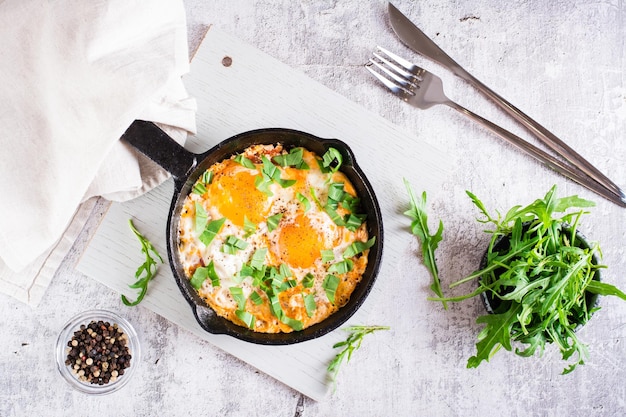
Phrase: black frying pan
x=186 y=167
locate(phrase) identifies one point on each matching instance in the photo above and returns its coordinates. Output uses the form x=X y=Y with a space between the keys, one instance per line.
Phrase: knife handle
x=543 y=134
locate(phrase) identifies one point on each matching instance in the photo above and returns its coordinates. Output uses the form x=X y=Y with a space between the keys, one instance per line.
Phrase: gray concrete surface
x=562 y=61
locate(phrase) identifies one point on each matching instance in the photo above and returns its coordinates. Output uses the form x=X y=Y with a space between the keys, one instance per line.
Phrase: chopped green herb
x=309 y=304
x=335 y=191
x=305 y=202
x=258 y=258
x=308 y=280
x=202 y=273
x=354 y=221
x=198 y=188
x=232 y=244
x=285 y=271
x=342 y=267
x=328 y=255
x=292 y=159
x=147 y=270
x=256 y=298
x=358 y=247
x=240 y=159
x=314 y=196
x=293 y=323
x=419 y=227
x=272 y=221
x=271 y=172
x=198 y=277
x=248 y=227
x=262 y=183
x=277 y=310
x=352 y=343
x=238 y=296
x=330 y=284
x=207 y=177
x=247 y=318
x=201 y=218
x=334 y=216
x=332 y=160
x=211 y=230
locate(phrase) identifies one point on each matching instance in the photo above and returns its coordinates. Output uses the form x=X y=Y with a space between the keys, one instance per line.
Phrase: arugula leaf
x=147 y=270
x=352 y=343
x=429 y=243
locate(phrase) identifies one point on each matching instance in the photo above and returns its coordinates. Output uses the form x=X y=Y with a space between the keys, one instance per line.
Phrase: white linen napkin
x=73 y=77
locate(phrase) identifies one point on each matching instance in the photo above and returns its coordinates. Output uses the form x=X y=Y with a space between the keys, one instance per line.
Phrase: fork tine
x=408 y=66
x=396 y=89
x=404 y=83
x=398 y=73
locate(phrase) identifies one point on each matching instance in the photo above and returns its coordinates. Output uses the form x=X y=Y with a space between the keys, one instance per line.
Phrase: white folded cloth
x=73 y=76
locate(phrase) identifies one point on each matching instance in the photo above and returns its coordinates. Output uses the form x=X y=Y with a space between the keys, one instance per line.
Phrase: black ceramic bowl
x=186 y=168
x=502 y=245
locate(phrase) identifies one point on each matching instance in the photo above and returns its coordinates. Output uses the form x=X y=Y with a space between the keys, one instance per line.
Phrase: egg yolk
x=299 y=243
x=235 y=195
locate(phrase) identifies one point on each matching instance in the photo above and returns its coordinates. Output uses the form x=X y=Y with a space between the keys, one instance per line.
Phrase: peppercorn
x=98 y=353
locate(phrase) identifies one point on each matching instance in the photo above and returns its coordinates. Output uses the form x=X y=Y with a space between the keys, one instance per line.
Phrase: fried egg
x=272 y=239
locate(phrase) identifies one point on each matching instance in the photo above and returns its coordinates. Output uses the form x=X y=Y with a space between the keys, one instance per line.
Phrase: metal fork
x=423 y=89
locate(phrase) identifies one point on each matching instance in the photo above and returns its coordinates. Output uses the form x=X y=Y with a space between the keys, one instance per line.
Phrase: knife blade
x=419 y=42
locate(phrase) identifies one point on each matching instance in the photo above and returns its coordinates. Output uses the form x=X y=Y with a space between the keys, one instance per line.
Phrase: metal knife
x=415 y=39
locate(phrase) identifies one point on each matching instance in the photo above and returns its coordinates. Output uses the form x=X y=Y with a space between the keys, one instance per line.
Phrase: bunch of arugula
x=540 y=283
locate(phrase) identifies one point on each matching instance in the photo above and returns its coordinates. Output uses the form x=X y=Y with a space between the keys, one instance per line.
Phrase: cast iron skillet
x=186 y=167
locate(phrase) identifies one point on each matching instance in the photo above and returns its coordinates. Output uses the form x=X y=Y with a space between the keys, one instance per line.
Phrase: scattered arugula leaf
x=147 y=270
x=352 y=343
x=429 y=243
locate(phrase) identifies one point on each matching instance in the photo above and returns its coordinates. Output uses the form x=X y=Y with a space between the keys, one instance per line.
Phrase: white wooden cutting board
x=256 y=91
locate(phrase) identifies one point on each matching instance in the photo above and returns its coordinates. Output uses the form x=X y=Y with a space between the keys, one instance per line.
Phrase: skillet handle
x=154 y=143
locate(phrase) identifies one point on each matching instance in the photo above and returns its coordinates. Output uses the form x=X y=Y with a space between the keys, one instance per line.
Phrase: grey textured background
x=562 y=61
